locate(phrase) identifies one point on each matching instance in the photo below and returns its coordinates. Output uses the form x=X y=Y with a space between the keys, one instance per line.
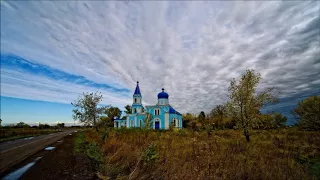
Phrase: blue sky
x=51 y=52
x=15 y=110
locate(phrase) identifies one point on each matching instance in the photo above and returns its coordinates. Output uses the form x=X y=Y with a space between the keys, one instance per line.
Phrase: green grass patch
x=10 y=134
x=80 y=143
x=14 y=138
x=314 y=167
x=89 y=149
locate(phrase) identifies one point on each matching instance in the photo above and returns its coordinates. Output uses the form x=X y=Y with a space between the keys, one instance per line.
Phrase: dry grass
x=224 y=154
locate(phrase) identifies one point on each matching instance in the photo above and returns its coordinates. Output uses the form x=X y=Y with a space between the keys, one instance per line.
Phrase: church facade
x=162 y=115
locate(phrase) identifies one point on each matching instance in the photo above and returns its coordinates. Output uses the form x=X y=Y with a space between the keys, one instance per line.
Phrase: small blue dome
x=163 y=95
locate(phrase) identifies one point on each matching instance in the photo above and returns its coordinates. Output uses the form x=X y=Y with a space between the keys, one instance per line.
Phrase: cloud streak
x=193 y=48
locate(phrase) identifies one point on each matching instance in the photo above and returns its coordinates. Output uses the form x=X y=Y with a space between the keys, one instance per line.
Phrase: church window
x=157 y=112
x=175 y=122
x=135 y=100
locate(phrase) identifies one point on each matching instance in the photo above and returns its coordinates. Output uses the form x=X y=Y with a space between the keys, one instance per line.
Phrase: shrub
x=93 y=151
x=150 y=154
x=308 y=113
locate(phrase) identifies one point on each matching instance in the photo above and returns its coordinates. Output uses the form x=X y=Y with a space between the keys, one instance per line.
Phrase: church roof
x=137 y=91
x=173 y=111
x=163 y=94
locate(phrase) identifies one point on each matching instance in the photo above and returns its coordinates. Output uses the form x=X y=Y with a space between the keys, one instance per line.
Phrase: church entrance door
x=157 y=125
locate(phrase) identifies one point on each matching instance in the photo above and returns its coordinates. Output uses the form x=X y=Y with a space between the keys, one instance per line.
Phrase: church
x=163 y=116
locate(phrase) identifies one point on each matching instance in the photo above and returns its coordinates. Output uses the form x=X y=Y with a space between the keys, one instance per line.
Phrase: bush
x=150 y=154
x=308 y=113
x=93 y=151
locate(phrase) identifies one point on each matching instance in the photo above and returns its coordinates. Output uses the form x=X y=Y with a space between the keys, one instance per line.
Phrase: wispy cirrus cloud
x=193 y=49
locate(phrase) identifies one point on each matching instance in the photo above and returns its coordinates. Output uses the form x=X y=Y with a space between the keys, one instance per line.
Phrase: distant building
x=163 y=115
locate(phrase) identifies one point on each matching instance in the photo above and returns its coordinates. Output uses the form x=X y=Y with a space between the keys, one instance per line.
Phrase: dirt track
x=13 y=152
x=60 y=163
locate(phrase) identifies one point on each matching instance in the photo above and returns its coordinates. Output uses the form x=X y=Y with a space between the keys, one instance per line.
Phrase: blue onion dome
x=163 y=94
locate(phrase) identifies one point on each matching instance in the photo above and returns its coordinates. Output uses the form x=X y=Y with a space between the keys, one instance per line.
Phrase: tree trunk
x=246 y=133
x=95 y=124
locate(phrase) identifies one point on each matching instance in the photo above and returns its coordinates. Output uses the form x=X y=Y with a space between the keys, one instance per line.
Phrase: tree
x=308 y=113
x=60 y=125
x=279 y=120
x=188 y=119
x=22 y=125
x=113 y=112
x=202 y=117
x=270 y=121
x=264 y=121
x=148 y=121
x=86 y=108
x=44 y=126
x=245 y=103
x=218 y=113
x=105 y=122
x=128 y=109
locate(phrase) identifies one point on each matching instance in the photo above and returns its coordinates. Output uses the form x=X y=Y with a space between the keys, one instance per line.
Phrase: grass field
x=9 y=134
x=185 y=154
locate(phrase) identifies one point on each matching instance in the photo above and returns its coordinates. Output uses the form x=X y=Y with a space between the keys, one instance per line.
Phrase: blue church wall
x=177 y=116
x=140 y=120
x=134 y=120
x=160 y=117
x=120 y=123
x=136 y=108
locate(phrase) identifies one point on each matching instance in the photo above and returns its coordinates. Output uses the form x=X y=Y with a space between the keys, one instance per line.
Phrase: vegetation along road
x=13 y=152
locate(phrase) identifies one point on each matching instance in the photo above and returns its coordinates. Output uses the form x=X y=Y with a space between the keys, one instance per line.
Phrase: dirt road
x=61 y=163
x=16 y=151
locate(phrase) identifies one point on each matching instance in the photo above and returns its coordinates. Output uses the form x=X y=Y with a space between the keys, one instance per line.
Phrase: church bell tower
x=137 y=101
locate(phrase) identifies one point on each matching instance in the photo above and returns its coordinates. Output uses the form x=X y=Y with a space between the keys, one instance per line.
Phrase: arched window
x=156 y=112
x=135 y=100
x=175 y=122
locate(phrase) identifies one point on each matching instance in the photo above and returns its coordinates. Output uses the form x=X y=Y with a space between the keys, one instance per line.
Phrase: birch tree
x=86 y=109
x=245 y=103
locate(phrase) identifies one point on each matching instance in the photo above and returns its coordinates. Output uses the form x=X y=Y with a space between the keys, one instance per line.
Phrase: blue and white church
x=162 y=114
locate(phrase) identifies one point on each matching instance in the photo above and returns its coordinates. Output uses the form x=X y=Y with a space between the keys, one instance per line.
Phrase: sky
x=51 y=52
